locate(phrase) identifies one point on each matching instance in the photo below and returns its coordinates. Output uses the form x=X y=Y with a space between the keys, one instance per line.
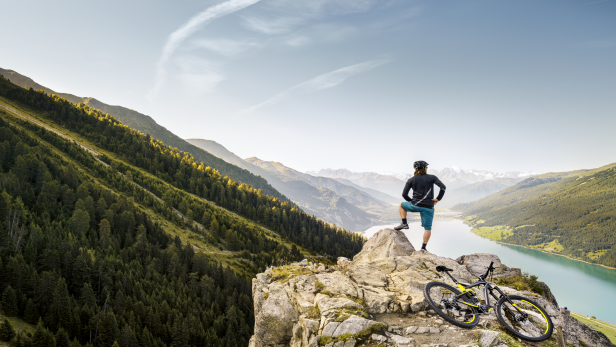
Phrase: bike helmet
x=419 y=164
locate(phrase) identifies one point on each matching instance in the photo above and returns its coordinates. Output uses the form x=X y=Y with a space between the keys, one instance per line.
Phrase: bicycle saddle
x=441 y=268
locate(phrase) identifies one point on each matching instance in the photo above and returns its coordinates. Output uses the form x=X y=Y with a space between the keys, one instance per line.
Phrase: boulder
x=489 y=338
x=337 y=284
x=327 y=304
x=343 y=262
x=353 y=325
x=275 y=317
x=384 y=244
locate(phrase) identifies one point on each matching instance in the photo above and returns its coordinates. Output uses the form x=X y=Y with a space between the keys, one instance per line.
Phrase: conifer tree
x=42 y=337
x=62 y=338
x=107 y=329
x=104 y=231
x=31 y=314
x=6 y=331
x=9 y=302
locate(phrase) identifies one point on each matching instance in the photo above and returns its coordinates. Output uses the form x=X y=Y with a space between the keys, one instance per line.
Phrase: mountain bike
x=522 y=316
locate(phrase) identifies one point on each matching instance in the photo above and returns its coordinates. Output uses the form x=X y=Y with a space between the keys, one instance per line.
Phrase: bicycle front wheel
x=524 y=318
x=449 y=304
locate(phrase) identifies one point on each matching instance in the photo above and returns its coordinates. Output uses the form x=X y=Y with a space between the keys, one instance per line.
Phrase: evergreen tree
x=79 y=222
x=62 y=338
x=107 y=329
x=6 y=331
x=31 y=314
x=42 y=337
x=9 y=302
x=104 y=231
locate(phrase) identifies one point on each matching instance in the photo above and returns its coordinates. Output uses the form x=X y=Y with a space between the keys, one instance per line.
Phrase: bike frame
x=488 y=288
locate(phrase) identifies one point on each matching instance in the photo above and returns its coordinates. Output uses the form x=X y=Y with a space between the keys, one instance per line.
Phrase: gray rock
x=434 y=331
x=384 y=244
x=314 y=342
x=401 y=340
x=331 y=344
x=343 y=262
x=353 y=325
x=376 y=337
x=422 y=330
x=327 y=304
x=330 y=328
x=478 y=263
x=303 y=262
x=489 y=338
x=337 y=284
x=339 y=344
x=350 y=343
x=275 y=319
x=410 y=330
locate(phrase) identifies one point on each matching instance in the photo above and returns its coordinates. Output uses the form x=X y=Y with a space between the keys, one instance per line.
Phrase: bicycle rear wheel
x=530 y=322
x=445 y=301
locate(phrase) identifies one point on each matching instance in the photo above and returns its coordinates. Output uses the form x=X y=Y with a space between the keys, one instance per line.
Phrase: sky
x=359 y=84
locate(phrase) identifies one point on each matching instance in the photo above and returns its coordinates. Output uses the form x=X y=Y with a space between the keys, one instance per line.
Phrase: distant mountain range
x=455 y=177
x=336 y=202
x=462 y=185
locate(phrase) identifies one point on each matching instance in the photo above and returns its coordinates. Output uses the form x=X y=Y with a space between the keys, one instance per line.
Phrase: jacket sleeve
x=407 y=188
x=441 y=186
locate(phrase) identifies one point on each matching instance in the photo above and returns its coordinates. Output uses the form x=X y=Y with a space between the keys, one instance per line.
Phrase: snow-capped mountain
x=455 y=177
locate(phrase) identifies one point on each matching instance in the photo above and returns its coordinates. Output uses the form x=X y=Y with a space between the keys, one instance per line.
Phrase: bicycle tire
x=428 y=290
x=536 y=323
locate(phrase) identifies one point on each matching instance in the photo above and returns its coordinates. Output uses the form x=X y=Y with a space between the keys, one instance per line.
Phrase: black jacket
x=423 y=190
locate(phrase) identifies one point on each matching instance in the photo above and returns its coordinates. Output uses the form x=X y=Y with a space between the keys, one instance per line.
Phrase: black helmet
x=419 y=164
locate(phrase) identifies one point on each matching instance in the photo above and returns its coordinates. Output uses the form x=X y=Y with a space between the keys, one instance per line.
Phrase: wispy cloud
x=190 y=27
x=324 y=81
x=198 y=75
x=224 y=46
x=283 y=16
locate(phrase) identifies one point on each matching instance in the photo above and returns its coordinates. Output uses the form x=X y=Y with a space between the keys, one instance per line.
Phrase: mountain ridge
x=325 y=198
x=148 y=125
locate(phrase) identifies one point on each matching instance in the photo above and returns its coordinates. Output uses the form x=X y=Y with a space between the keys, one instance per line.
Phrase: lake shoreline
x=536 y=249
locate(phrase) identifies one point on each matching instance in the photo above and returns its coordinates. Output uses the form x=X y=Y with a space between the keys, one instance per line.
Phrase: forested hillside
x=118 y=238
x=569 y=213
x=146 y=124
x=326 y=198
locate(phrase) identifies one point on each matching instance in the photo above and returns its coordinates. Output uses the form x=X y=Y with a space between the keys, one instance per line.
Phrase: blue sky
x=362 y=84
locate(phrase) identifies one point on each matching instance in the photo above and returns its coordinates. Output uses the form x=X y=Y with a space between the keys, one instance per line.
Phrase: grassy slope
x=608 y=329
x=146 y=124
x=574 y=215
x=185 y=234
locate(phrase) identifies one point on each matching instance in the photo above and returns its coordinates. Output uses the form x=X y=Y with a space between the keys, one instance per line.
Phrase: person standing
x=423 y=200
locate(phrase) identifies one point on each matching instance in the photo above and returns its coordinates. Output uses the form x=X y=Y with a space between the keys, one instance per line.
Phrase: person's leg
x=426 y=237
x=403 y=214
x=405 y=206
x=427 y=215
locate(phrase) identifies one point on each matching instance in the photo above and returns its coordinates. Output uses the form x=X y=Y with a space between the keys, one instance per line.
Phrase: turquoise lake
x=584 y=288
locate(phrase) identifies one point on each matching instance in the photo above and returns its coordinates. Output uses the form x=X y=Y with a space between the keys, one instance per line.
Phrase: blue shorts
x=427 y=214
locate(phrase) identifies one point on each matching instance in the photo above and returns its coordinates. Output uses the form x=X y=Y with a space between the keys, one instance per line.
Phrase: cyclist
x=423 y=199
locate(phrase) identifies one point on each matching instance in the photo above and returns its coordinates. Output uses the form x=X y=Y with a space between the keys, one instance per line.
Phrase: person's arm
x=407 y=188
x=442 y=188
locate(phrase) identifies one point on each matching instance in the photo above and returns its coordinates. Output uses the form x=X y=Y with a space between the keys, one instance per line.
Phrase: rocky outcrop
x=386 y=243
x=378 y=299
